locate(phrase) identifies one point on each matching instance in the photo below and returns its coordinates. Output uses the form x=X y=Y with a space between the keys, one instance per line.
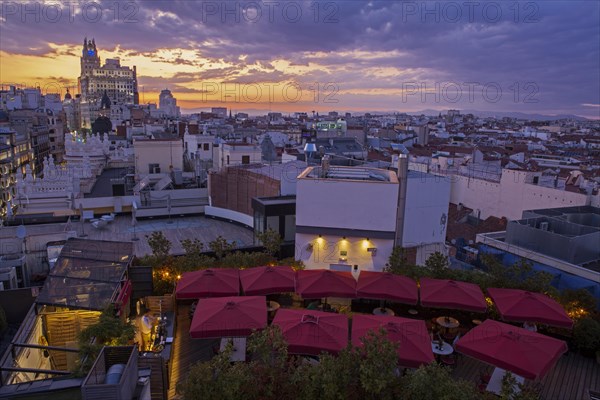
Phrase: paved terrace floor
x=194 y=227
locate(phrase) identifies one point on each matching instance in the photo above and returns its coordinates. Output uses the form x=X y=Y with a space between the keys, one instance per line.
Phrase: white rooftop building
x=351 y=218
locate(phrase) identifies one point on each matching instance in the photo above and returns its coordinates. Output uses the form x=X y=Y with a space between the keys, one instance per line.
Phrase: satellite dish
x=21 y=232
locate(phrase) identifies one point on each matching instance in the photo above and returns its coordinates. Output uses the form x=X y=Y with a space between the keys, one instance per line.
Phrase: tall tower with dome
x=117 y=82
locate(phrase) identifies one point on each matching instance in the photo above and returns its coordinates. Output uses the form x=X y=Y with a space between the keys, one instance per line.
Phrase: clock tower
x=89 y=57
x=113 y=81
x=89 y=61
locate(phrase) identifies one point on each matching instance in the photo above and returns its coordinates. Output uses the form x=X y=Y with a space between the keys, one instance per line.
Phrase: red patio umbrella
x=444 y=293
x=319 y=283
x=523 y=306
x=414 y=343
x=228 y=316
x=267 y=280
x=518 y=350
x=386 y=286
x=312 y=332
x=208 y=283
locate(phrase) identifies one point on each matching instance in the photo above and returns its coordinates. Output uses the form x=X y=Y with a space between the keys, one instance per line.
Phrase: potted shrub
x=586 y=336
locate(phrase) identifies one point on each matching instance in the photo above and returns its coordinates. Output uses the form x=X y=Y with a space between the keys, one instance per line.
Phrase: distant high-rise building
x=118 y=82
x=220 y=112
x=168 y=104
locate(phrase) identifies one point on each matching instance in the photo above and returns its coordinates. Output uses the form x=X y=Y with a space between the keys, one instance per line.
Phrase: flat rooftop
x=181 y=228
x=351 y=173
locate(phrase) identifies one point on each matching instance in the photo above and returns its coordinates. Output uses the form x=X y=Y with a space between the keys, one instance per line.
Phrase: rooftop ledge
x=350 y=173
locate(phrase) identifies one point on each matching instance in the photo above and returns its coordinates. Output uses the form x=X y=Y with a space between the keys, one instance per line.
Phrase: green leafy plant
x=160 y=245
x=271 y=240
x=437 y=264
x=220 y=246
x=110 y=330
x=192 y=247
x=586 y=336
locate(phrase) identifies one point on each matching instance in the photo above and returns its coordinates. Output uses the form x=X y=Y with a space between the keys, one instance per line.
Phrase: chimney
x=324 y=166
x=402 y=178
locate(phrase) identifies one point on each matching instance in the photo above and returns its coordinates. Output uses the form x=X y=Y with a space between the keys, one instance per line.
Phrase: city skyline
x=300 y=56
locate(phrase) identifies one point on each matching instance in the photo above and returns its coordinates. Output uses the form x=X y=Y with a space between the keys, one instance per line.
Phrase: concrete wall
x=192 y=142
x=229 y=215
x=575 y=244
x=235 y=154
x=166 y=153
x=509 y=197
x=17 y=302
x=426 y=217
x=321 y=252
x=346 y=204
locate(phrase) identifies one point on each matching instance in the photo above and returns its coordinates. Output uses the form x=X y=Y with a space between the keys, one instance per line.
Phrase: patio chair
x=100 y=224
x=482 y=387
x=484 y=376
x=449 y=337
x=453 y=344
x=449 y=360
x=455 y=341
x=109 y=218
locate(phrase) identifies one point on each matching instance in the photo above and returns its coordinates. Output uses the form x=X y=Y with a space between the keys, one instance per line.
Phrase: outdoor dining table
x=272 y=306
x=239 y=348
x=495 y=383
x=383 y=311
x=445 y=349
x=447 y=322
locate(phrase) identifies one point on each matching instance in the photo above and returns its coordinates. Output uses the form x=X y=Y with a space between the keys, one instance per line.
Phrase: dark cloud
x=550 y=44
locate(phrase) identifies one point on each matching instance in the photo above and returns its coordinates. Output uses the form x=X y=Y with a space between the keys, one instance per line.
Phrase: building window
x=206 y=146
x=245 y=159
x=227 y=160
x=154 y=168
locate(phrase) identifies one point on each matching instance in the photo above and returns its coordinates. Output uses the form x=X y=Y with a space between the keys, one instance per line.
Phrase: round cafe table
x=444 y=350
x=272 y=306
x=447 y=322
x=383 y=311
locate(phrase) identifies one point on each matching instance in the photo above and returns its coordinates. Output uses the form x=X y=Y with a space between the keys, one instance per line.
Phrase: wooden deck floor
x=186 y=351
x=571 y=378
